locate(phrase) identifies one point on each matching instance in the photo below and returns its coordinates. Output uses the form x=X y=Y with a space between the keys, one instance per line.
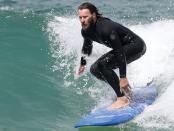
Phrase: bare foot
x=121 y=102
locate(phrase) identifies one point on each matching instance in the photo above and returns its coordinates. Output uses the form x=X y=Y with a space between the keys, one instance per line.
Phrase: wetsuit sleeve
x=119 y=53
x=86 y=49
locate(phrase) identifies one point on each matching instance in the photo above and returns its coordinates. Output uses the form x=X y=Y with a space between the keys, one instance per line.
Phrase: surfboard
x=141 y=98
x=103 y=128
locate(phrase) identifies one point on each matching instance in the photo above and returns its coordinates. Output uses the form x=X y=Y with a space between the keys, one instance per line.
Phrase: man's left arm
x=121 y=58
x=119 y=53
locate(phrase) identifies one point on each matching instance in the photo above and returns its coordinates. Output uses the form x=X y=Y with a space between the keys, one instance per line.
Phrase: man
x=126 y=47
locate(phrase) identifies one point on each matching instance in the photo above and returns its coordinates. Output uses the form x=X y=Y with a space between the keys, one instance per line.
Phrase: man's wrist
x=122 y=76
x=83 y=61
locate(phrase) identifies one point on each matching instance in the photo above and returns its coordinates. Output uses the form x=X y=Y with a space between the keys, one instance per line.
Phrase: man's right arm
x=86 y=51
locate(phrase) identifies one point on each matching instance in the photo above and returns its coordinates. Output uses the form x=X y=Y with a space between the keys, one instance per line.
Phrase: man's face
x=86 y=18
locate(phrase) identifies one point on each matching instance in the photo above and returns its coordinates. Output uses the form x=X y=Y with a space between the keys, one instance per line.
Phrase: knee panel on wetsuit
x=94 y=69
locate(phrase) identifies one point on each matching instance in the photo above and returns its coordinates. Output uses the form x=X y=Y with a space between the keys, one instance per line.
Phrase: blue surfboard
x=141 y=97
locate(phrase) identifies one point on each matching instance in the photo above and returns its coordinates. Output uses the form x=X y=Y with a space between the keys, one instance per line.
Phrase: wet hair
x=92 y=8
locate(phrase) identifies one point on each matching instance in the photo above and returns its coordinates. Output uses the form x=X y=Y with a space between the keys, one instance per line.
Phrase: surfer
x=126 y=47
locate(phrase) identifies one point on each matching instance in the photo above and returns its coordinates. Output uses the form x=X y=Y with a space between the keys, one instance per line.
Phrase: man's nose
x=82 y=19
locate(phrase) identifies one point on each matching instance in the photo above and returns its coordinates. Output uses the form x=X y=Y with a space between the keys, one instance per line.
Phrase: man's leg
x=103 y=70
x=134 y=50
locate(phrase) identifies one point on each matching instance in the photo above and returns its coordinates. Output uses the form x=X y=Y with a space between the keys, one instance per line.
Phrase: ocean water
x=40 y=44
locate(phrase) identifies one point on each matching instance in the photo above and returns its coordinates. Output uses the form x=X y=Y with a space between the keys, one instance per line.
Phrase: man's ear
x=94 y=15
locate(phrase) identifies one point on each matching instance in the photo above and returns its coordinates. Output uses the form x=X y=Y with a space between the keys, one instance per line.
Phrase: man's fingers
x=81 y=70
x=125 y=86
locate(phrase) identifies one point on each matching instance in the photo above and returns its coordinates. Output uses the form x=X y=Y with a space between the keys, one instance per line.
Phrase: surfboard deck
x=141 y=97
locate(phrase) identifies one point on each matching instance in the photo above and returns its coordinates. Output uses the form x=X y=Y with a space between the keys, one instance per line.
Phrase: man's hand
x=123 y=82
x=81 y=69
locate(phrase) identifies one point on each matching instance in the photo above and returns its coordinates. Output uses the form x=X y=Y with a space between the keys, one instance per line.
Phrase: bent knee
x=144 y=49
x=92 y=69
x=96 y=71
x=141 y=48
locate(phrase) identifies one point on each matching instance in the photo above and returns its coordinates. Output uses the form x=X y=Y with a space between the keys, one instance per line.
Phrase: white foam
x=6 y=8
x=160 y=114
x=157 y=63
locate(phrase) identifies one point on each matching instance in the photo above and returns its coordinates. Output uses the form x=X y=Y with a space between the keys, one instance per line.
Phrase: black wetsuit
x=126 y=47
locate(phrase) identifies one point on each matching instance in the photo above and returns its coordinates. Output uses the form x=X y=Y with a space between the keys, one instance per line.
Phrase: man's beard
x=91 y=23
